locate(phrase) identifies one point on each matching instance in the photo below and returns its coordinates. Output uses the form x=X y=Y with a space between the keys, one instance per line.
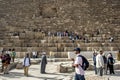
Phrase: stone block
x=65 y=68
x=117 y=66
x=96 y=78
x=35 y=61
x=12 y=66
x=91 y=67
x=19 y=66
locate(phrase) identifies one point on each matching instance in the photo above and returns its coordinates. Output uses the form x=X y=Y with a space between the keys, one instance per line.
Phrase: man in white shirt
x=34 y=54
x=100 y=63
x=26 y=64
x=9 y=52
x=79 y=72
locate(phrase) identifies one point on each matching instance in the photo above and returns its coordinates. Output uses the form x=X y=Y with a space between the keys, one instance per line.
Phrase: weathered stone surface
x=96 y=78
x=65 y=68
x=33 y=19
x=12 y=66
x=35 y=61
x=117 y=66
x=19 y=66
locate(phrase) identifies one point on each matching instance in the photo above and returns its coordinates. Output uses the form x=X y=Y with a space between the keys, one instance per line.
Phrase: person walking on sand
x=79 y=71
x=26 y=64
x=100 y=63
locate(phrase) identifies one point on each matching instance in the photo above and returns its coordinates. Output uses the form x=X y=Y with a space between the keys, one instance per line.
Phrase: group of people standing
x=103 y=63
x=6 y=58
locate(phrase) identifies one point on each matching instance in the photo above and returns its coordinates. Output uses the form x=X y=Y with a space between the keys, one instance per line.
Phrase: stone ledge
x=66 y=67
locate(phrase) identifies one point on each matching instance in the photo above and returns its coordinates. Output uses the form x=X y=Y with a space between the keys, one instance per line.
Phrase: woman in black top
x=110 y=63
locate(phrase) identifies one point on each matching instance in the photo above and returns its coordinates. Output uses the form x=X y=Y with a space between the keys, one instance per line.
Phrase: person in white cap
x=43 y=63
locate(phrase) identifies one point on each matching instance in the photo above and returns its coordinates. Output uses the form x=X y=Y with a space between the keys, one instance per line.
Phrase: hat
x=77 y=49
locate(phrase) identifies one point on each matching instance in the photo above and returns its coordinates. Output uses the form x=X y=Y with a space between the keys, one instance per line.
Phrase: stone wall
x=25 y=23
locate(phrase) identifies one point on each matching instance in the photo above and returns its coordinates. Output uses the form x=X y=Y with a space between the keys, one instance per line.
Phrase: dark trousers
x=2 y=67
x=43 y=67
x=79 y=77
x=13 y=59
x=95 y=69
x=111 y=69
x=100 y=71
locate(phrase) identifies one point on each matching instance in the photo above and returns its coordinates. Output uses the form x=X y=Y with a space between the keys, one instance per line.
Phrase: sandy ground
x=52 y=74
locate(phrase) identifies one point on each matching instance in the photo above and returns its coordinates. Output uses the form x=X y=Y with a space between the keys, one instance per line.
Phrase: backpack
x=85 y=63
x=111 y=60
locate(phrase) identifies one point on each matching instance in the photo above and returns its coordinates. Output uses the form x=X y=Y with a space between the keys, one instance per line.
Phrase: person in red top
x=5 y=59
x=7 y=63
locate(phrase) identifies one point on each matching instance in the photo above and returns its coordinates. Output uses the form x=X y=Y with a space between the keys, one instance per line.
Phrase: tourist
x=73 y=40
x=26 y=64
x=105 y=64
x=100 y=63
x=79 y=71
x=94 y=61
x=43 y=63
x=111 y=39
x=37 y=54
x=34 y=54
x=2 y=56
x=7 y=63
x=110 y=63
x=8 y=52
x=13 y=55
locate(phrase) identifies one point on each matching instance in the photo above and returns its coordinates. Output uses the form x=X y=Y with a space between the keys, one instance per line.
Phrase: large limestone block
x=54 y=49
x=49 y=11
x=19 y=66
x=117 y=66
x=96 y=78
x=65 y=67
x=118 y=56
x=35 y=61
x=12 y=66
x=38 y=35
x=22 y=35
x=91 y=67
